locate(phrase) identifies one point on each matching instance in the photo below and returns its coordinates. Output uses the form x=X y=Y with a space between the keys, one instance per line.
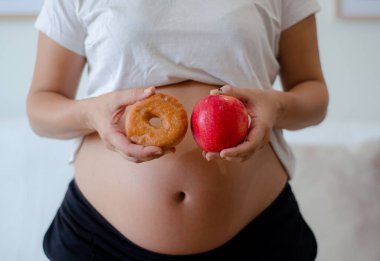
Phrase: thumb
x=229 y=90
x=129 y=97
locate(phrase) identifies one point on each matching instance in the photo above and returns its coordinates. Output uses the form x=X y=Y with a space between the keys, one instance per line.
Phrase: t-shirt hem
x=76 y=144
x=283 y=152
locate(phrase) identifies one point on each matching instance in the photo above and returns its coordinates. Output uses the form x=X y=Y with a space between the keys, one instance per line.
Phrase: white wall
x=17 y=51
x=350 y=56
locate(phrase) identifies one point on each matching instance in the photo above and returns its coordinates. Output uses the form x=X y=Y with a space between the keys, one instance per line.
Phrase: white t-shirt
x=139 y=43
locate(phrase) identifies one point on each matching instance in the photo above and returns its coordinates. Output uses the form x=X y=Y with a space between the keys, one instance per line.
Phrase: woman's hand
x=262 y=107
x=104 y=116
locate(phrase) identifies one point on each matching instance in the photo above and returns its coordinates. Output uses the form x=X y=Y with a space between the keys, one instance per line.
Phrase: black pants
x=79 y=233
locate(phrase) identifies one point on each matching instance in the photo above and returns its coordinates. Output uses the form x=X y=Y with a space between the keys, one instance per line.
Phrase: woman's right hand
x=104 y=116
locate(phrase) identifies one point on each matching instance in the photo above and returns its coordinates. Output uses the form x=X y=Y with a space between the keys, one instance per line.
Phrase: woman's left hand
x=262 y=107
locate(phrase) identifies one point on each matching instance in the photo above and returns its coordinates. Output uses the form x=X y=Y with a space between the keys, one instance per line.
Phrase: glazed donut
x=173 y=121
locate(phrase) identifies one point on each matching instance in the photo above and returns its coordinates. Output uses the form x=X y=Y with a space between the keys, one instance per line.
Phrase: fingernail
x=148 y=90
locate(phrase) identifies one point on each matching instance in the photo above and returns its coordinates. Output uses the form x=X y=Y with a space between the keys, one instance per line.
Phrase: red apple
x=219 y=122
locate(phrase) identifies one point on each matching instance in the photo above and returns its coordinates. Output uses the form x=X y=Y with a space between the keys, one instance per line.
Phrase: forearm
x=56 y=116
x=303 y=106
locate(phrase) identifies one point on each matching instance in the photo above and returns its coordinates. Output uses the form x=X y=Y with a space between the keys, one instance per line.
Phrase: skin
x=54 y=112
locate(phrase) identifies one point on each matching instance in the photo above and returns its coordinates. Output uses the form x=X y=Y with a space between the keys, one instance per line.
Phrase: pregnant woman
x=135 y=202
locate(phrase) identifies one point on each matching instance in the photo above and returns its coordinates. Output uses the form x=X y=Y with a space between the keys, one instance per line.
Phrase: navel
x=180 y=196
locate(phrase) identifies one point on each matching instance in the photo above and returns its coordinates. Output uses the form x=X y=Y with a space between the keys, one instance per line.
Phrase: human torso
x=180 y=203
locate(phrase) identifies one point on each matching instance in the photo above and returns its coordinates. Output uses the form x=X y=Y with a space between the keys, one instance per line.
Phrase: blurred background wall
x=34 y=171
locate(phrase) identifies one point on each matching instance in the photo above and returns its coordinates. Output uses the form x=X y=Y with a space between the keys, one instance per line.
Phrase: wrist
x=280 y=101
x=85 y=112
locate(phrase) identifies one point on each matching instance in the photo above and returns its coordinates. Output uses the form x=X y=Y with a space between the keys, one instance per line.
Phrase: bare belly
x=180 y=203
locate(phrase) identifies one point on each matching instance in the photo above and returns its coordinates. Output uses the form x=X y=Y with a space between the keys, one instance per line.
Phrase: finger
x=216 y=91
x=142 y=152
x=245 y=148
x=129 y=97
x=239 y=93
x=135 y=160
x=215 y=155
x=241 y=150
x=117 y=141
x=164 y=152
x=236 y=159
x=249 y=146
x=117 y=115
x=122 y=144
x=152 y=156
x=212 y=156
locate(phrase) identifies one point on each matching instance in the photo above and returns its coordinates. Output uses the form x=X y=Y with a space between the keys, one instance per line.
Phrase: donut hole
x=155 y=122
